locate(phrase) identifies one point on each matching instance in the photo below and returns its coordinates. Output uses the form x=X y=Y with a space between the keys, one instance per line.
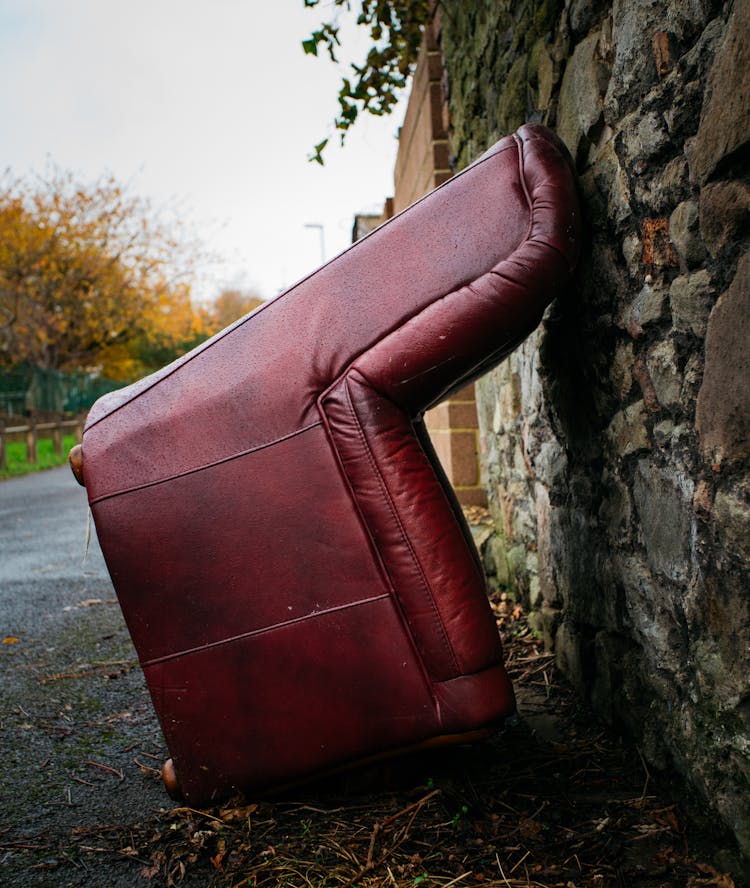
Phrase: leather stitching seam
x=264 y=629
x=405 y=537
x=210 y=465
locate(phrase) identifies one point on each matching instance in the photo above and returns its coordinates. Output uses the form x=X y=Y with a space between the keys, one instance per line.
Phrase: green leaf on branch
x=317 y=155
x=395 y=31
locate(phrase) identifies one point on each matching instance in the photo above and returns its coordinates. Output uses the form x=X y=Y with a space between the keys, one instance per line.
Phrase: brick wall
x=423 y=163
x=423 y=160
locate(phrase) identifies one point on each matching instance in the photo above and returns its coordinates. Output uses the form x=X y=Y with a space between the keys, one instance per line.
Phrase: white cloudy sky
x=208 y=103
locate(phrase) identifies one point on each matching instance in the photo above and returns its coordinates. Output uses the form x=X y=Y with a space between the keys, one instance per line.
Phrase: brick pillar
x=454 y=432
x=423 y=159
x=423 y=163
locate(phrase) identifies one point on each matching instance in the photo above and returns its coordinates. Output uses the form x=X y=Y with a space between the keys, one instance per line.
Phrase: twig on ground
x=107 y=769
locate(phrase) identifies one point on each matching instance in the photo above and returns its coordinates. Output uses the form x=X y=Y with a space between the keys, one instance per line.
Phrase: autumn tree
x=89 y=278
x=231 y=304
x=395 y=33
x=179 y=325
x=170 y=325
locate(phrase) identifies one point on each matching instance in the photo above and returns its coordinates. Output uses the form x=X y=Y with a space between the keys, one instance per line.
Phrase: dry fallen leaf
x=715 y=878
x=11 y=639
x=159 y=858
x=530 y=829
x=229 y=815
x=216 y=860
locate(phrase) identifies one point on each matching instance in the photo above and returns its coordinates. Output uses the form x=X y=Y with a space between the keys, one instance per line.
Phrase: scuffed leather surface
x=299 y=583
x=347 y=681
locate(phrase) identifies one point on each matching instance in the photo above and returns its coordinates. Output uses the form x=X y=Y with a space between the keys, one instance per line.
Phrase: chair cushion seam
x=155 y=661
x=209 y=465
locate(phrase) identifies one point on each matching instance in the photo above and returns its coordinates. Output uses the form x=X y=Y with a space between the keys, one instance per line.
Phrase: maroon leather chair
x=297 y=578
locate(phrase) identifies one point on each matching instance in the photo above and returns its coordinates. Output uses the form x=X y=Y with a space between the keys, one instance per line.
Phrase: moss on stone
x=544 y=18
x=511 y=108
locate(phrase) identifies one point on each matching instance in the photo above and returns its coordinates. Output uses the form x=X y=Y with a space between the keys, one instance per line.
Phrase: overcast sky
x=210 y=104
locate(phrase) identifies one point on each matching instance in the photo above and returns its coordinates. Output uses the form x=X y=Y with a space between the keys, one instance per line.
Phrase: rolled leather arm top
x=454 y=338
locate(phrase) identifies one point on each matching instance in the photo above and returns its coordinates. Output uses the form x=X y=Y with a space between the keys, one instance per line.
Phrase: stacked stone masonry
x=615 y=444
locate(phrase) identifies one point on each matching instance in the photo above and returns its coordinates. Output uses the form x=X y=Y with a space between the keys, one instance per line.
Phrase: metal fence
x=26 y=389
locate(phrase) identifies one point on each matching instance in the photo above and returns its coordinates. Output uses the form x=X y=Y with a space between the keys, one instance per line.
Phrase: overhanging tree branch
x=395 y=30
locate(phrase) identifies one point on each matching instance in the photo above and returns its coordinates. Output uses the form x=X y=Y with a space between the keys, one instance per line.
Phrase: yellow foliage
x=89 y=279
x=233 y=304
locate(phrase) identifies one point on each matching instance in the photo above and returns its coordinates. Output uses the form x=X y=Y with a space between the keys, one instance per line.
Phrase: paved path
x=42 y=544
x=71 y=693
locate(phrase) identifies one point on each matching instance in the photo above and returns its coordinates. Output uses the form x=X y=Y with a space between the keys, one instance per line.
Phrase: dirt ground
x=553 y=801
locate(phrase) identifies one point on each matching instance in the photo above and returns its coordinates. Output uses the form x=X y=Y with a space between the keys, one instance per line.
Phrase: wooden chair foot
x=76 y=463
x=171 y=783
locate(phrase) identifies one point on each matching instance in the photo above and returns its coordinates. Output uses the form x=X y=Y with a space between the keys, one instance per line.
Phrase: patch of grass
x=46 y=457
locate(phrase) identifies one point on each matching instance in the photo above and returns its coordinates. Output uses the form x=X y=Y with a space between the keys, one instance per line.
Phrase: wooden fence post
x=31 y=442
x=57 y=438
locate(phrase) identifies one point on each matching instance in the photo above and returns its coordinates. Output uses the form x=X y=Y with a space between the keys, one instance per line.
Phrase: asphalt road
x=43 y=520
x=73 y=703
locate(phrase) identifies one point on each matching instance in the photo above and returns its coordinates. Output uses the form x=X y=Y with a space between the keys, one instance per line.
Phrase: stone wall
x=616 y=442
